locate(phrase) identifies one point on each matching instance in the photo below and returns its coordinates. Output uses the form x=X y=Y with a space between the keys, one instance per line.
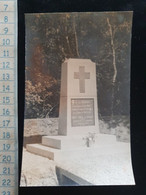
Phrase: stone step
x=41 y=150
x=58 y=155
x=63 y=142
x=73 y=142
x=52 y=153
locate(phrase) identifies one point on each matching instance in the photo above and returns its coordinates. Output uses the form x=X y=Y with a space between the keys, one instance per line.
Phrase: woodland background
x=105 y=38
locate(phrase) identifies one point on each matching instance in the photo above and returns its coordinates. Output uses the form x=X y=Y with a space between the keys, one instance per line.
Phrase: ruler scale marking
x=8 y=98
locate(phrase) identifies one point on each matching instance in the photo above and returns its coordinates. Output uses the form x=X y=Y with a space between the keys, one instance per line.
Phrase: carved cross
x=82 y=75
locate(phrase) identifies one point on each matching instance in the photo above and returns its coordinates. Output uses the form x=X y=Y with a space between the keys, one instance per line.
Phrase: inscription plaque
x=82 y=112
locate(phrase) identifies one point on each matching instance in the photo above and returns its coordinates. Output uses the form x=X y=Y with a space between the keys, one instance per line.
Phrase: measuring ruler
x=8 y=98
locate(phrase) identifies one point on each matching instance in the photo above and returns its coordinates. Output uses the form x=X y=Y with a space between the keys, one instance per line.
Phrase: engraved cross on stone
x=82 y=75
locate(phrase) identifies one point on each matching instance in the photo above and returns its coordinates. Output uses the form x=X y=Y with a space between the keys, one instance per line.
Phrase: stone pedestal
x=78 y=98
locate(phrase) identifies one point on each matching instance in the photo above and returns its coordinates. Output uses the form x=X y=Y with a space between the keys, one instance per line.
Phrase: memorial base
x=54 y=147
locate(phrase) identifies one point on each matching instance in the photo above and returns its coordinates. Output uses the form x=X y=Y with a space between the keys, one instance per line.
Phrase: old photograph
x=77 y=99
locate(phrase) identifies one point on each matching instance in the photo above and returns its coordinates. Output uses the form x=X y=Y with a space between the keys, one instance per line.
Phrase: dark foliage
x=102 y=37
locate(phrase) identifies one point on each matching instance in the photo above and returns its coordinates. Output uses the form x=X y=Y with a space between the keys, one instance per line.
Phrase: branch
x=76 y=40
x=113 y=51
x=68 y=45
x=63 y=52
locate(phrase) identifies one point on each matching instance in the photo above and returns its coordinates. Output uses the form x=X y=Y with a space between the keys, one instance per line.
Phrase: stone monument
x=78 y=112
x=78 y=115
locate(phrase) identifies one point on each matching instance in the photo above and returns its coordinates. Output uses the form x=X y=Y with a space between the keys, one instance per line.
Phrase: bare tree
x=76 y=39
x=113 y=50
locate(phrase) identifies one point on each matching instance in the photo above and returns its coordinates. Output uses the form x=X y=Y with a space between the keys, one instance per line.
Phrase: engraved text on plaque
x=82 y=112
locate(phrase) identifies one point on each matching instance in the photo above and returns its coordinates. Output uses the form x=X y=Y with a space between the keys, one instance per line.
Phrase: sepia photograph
x=77 y=99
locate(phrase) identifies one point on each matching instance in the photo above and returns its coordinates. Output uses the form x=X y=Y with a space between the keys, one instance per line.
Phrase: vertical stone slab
x=63 y=101
x=78 y=113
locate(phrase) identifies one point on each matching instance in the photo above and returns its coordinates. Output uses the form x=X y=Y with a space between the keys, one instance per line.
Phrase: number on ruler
x=6 y=30
x=6 y=158
x=6 y=123
x=6 y=182
x=6 y=193
x=6 y=88
x=6 y=135
x=6 y=19
x=6 y=112
x=6 y=76
x=6 y=53
x=6 y=41
x=6 y=170
x=6 y=65
x=5 y=7
x=6 y=147
x=6 y=100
